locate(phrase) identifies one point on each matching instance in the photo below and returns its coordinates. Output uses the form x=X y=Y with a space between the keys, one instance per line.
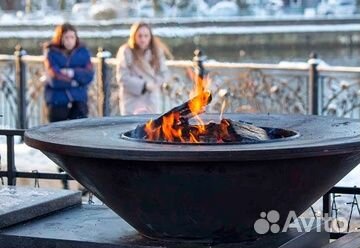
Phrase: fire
x=170 y=127
x=193 y=139
x=198 y=103
x=152 y=132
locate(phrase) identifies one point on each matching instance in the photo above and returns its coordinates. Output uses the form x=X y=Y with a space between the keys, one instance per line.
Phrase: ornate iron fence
x=340 y=91
x=305 y=88
x=8 y=94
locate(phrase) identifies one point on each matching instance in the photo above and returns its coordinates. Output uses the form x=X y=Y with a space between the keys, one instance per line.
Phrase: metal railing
x=306 y=88
x=329 y=206
x=11 y=173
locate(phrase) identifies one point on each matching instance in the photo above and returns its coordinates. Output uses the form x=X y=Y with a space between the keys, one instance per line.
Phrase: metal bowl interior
x=275 y=134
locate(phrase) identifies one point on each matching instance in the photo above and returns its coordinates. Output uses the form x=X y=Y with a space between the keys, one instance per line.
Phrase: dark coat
x=60 y=89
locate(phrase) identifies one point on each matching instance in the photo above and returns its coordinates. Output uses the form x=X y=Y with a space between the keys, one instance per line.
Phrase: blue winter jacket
x=60 y=90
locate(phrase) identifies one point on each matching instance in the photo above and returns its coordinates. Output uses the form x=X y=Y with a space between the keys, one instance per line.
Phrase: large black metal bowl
x=205 y=192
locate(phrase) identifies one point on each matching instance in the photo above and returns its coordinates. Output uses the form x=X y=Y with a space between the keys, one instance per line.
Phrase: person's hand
x=74 y=83
x=151 y=86
x=68 y=72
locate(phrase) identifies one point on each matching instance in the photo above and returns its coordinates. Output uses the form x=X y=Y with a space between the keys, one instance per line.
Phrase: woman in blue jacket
x=70 y=72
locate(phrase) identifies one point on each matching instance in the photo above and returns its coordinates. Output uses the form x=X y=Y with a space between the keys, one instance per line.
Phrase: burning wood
x=174 y=126
x=224 y=132
x=175 y=118
x=186 y=111
x=247 y=131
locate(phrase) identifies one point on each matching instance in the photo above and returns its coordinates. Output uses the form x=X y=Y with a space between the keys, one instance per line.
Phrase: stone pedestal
x=18 y=204
x=98 y=226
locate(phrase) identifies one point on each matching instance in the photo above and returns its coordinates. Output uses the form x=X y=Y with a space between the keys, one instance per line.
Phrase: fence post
x=314 y=85
x=20 y=81
x=102 y=81
x=11 y=169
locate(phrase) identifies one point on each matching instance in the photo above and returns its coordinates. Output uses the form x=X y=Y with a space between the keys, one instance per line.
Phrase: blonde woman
x=141 y=71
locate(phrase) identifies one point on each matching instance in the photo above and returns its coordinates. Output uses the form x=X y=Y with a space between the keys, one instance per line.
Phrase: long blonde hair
x=156 y=46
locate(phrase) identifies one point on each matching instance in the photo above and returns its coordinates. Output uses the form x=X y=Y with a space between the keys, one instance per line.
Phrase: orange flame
x=170 y=133
x=193 y=139
x=152 y=132
x=170 y=130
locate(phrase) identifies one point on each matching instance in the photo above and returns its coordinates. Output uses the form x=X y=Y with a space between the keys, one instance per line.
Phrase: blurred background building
x=112 y=9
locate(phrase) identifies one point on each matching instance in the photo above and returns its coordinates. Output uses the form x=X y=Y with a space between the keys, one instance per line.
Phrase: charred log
x=227 y=131
x=183 y=112
x=247 y=132
x=181 y=115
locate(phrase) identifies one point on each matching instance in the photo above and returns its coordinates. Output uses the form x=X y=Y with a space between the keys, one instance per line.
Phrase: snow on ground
x=28 y=159
x=40 y=19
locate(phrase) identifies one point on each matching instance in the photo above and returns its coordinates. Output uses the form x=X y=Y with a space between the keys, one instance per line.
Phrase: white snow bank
x=192 y=31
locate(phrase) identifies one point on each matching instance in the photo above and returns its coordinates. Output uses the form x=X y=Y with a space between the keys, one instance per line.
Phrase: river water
x=332 y=55
x=337 y=56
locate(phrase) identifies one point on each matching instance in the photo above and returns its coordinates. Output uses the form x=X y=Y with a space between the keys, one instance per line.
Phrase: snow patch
x=190 y=32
